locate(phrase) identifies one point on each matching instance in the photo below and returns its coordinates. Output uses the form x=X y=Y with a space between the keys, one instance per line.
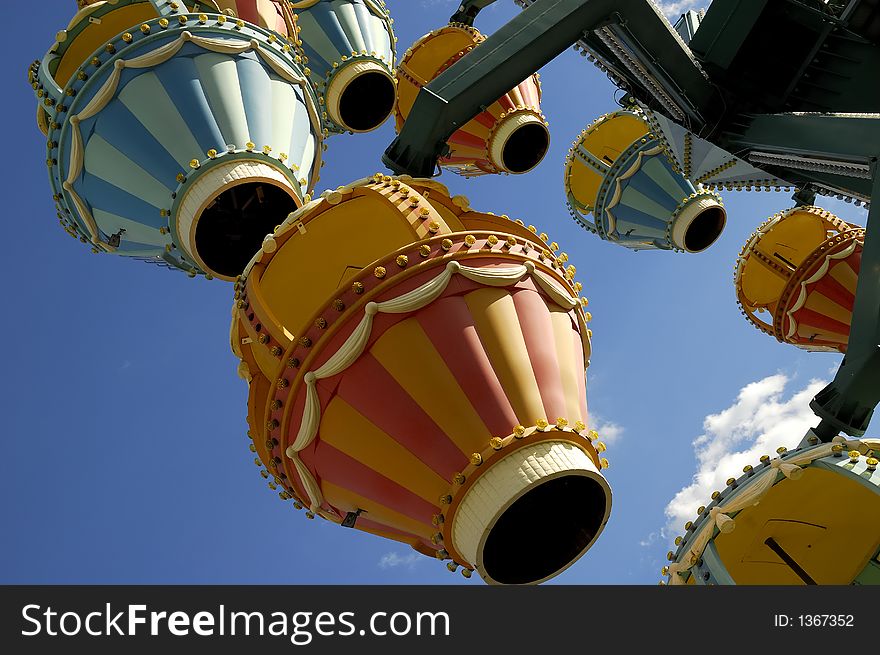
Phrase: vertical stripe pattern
x=429 y=57
x=165 y=116
x=424 y=397
x=336 y=33
x=419 y=369
x=634 y=189
x=801 y=267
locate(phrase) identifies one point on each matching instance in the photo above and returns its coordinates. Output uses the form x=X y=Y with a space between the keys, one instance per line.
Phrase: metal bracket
x=351 y=519
x=468 y=11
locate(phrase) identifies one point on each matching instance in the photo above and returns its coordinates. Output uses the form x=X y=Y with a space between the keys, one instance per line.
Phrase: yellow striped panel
x=610 y=138
x=569 y=361
x=827 y=307
x=760 y=284
x=498 y=326
x=516 y=96
x=811 y=331
x=584 y=182
x=387 y=535
x=349 y=501
x=371 y=230
x=406 y=97
x=96 y=34
x=479 y=130
x=846 y=276
x=346 y=429
x=409 y=356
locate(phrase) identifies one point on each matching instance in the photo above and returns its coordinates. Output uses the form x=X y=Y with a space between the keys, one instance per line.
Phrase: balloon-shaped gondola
x=803 y=517
x=181 y=139
x=802 y=267
x=416 y=370
x=623 y=183
x=349 y=50
x=509 y=136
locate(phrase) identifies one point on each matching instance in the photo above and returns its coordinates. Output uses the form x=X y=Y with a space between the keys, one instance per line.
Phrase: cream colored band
x=507 y=481
x=505 y=129
x=342 y=80
x=687 y=216
x=211 y=184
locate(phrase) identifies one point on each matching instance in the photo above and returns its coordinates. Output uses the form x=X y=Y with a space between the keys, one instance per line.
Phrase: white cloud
x=609 y=432
x=760 y=421
x=393 y=560
x=675 y=9
x=651 y=539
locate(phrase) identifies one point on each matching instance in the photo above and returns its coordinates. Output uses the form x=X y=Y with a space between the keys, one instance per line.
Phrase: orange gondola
x=416 y=370
x=802 y=267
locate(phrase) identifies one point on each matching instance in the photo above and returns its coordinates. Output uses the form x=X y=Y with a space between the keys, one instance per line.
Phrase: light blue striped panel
x=105 y=196
x=660 y=171
x=330 y=16
x=648 y=188
x=132 y=249
x=180 y=80
x=301 y=151
x=161 y=118
x=123 y=169
x=218 y=75
x=640 y=225
x=374 y=34
x=118 y=126
x=333 y=28
x=256 y=91
x=319 y=46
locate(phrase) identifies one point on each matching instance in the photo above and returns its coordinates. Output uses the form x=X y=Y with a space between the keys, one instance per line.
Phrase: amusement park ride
x=428 y=385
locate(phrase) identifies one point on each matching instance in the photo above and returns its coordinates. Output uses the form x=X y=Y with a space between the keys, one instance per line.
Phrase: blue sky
x=124 y=457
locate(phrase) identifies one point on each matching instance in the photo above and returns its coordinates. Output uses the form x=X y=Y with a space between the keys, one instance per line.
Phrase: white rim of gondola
x=213 y=182
x=689 y=213
x=508 y=480
x=503 y=132
x=343 y=78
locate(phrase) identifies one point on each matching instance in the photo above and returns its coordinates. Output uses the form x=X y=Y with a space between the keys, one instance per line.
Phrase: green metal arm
x=846 y=142
x=518 y=49
x=851 y=141
x=847 y=404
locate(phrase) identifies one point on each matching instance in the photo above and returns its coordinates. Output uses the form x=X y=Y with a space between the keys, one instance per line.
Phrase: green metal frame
x=519 y=48
x=847 y=404
x=642 y=54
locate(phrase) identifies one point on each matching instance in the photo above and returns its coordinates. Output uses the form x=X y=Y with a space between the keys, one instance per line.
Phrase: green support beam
x=835 y=150
x=847 y=404
x=850 y=140
x=853 y=137
x=522 y=46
